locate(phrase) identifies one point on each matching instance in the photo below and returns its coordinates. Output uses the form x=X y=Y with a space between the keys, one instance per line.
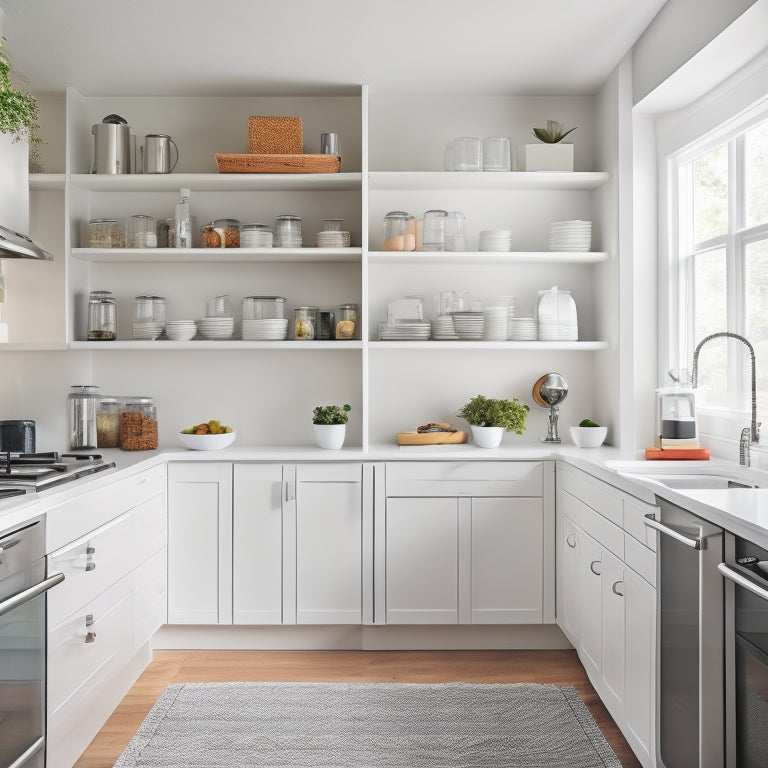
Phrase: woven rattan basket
x=275 y=135
x=251 y=163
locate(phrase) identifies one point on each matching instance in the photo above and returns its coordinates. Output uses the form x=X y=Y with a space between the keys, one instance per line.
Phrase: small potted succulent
x=490 y=418
x=550 y=154
x=329 y=423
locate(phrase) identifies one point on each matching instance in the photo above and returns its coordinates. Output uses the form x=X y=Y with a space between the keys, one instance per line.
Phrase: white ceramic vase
x=487 y=437
x=330 y=436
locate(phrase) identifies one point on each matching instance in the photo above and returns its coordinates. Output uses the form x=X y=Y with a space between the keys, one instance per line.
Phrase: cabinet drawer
x=78 y=664
x=90 y=565
x=640 y=559
x=634 y=517
x=150 y=589
x=603 y=531
x=465 y=478
x=595 y=494
x=76 y=517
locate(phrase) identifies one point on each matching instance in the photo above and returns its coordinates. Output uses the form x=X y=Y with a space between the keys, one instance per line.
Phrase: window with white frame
x=721 y=264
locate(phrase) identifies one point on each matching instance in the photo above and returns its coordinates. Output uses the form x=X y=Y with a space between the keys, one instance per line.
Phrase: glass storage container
x=138 y=424
x=108 y=423
x=433 y=237
x=256 y=236
x=288 y=231
x=399 y=232
x=346 y=321
x=82 y=404
x=304 y=323
x=221 y=233
x=106 y=233
x=263 y=308
x=142 y=231
x=326 y=324
x=102 y=316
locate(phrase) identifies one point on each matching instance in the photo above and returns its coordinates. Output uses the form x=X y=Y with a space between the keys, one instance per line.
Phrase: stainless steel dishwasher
x=689 y=659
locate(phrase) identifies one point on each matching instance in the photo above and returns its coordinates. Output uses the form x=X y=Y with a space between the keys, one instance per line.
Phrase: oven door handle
x=652 y=522
x=742 y=581
x=29 y=594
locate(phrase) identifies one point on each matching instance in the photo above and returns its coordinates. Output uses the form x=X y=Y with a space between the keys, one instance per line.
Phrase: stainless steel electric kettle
x=112 y=149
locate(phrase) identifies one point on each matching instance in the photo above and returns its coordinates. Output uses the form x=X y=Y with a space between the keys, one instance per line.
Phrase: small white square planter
x=544 y=157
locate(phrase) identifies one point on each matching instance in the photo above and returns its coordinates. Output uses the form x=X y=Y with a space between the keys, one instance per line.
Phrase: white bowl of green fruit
x=589 y=434
x=207 y=436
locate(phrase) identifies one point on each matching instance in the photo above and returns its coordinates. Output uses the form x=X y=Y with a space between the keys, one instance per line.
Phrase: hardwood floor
x=557 y=667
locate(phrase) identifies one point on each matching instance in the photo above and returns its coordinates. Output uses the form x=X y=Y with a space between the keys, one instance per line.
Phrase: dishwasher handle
x=697 y=544
x=742 y=581
x=29 y=594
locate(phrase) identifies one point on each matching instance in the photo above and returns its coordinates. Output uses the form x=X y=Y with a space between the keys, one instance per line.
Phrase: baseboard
x=356 y=637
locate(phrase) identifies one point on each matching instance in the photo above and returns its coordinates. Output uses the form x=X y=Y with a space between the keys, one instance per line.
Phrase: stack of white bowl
x=496 y=240
x=180 y=330
x=333 y=239
x=147 y=331
x=573 y=235
x=215 y=328
x=523 y=329
x=256 y=237
x=273 y=329
x=469 y=325
x=443 y=328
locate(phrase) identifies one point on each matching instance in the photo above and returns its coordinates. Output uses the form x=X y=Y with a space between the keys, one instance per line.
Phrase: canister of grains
x=138 y=424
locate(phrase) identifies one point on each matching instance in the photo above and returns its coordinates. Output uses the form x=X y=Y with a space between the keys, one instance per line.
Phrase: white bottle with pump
x=182 y=225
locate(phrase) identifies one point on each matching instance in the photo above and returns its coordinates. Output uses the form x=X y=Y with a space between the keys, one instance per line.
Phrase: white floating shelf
x=162 y=345
x=218 y=255
x=528 y=346
x=486 y=257
x=511 y=180
x=218 y=182
x=46 y=181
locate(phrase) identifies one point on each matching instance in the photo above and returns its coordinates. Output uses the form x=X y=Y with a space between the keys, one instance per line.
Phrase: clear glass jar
x=106 y=233
x=102 y=316
x=326 y=324
x=288 y=231
x=256 y=236
x=138 y=424
x=82 y=404
x=304 y=323
x=346 y=321
x=221 y=233
x=399 y=232
x=149 y=309
x=333 y=225
x=263 y=308
x=142 y=232
x=433 y=237
x=108 y=423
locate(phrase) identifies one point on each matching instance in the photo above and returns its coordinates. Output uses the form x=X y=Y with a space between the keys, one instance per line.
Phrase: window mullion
x=736 y=290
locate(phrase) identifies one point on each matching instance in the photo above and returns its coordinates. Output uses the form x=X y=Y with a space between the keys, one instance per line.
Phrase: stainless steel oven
x=23 y=585
x=745 y=568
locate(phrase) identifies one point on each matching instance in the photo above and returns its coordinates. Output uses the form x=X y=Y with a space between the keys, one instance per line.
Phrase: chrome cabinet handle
x=90 y=566
x=742 y=581
x=571 y=541
x=618 y=588
x=89 y=619
x=596 y=567
x=651 y=521
x=90 y=637
x=90 y=550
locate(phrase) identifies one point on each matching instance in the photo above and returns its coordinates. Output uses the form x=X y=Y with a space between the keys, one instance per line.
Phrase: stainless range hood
x=14 y=245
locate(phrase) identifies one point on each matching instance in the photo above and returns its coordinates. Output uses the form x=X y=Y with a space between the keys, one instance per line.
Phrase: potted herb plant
x=490 y=418
x=550 y=154
x=329 y=423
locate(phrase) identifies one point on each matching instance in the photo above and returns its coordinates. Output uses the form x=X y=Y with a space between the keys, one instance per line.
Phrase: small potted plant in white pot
x=490 y=418
x=589 y=434
x=329 y=423
x=550 y=154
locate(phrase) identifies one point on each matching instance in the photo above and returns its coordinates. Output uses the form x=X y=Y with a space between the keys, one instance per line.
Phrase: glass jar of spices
x=108 y=423
x=106 y=233
x=346 y=321
x=102 y=316
x=304 y=323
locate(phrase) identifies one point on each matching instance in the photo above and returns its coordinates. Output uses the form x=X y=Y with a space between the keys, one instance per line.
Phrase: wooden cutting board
x=431 y=438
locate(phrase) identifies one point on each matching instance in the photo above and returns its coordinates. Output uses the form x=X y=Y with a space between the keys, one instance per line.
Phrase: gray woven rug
x=206 y=725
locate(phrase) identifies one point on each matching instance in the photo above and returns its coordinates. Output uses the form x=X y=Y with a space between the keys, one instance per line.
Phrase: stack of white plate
x=558 y=332
x=255 y=238
x=180 y=330
x=469 y=325
x=443 y=328
x=265 y=330
x=522 y=329
x=570 y=235
x=496 y=240
x=495 y=323
x=333 y=239
x=147 y=330
x=216 y=327
x=406 y=330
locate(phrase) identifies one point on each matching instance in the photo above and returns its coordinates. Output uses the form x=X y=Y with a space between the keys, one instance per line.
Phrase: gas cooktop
x=29 y=472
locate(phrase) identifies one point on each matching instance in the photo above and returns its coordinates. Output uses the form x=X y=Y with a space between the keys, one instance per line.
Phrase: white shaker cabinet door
x=257 y=544
x=590 y=604
x=568 y=581
x=506 y=560
x=200 y=543
x=612 y=653
x=328 y=543
x=422 y=561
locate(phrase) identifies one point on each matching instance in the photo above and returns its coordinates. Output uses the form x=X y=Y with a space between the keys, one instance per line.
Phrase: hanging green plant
x=19 y=113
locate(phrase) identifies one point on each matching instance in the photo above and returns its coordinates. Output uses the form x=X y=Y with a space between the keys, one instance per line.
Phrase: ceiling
x=238 y=47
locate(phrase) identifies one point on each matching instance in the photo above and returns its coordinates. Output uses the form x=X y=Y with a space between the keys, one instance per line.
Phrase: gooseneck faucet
x=749 y=434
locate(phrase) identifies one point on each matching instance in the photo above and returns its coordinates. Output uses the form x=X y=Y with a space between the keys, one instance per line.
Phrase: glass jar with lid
x=346 y=321
x=142 y=231
x=221 y=233
x=102 y=316
x=256 y=236
x=399 y=231
x=304 y=323
x=82 y=404
x=138 y=424
x=106 y=233
x=263 y=307
x=288 y=231
x=108 y=423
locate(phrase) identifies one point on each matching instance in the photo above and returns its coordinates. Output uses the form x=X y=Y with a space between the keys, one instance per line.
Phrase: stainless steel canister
x=112 y=151
x=82 y=405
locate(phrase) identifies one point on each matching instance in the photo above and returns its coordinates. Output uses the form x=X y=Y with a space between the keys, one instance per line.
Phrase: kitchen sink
x=696 y=477
x=693 y=482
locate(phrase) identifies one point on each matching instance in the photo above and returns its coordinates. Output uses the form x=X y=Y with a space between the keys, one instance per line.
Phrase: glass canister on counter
x=138 y=424
x=346 y=321
x=304 y=323
x=399 y=232
x=108 y=423
x=102 y=316
x=82 y=405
